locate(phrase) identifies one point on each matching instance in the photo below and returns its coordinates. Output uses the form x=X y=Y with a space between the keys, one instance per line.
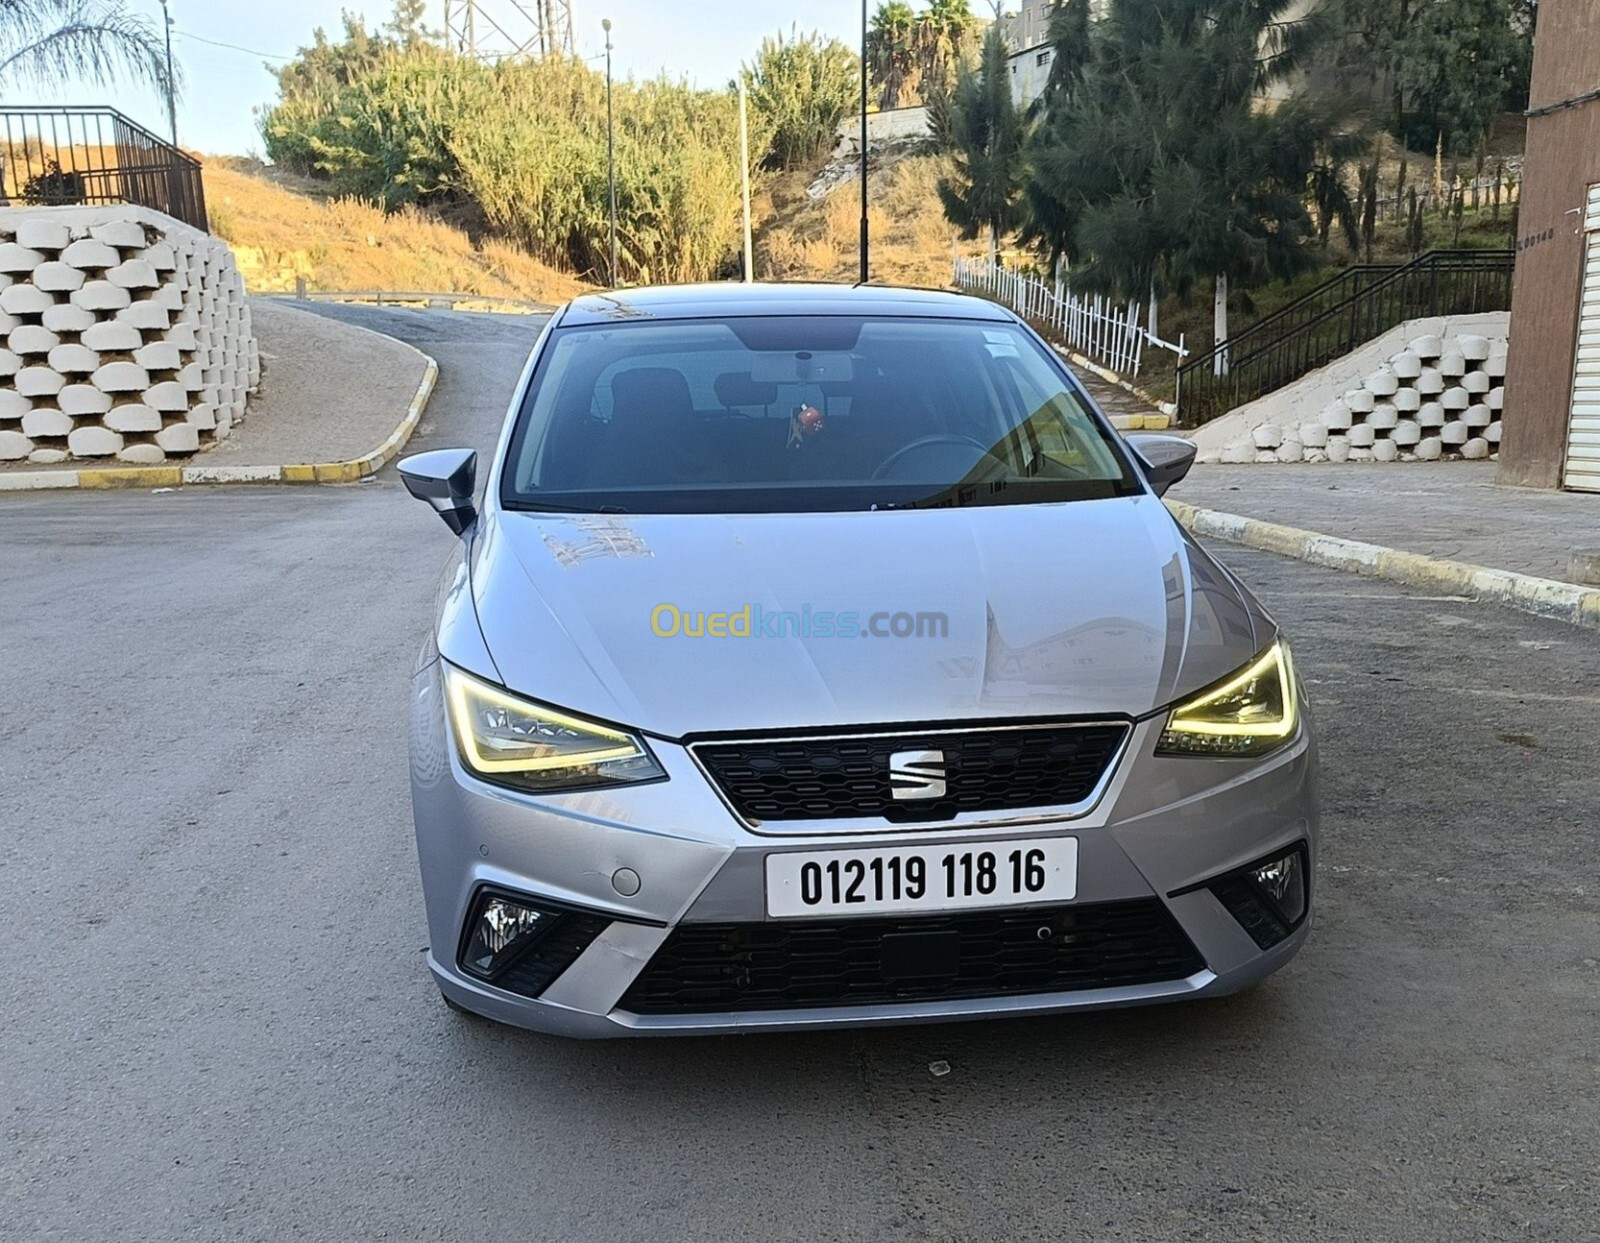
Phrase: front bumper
x=1161 y=828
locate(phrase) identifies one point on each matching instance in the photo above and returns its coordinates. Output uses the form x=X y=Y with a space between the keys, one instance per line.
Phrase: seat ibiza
x=820 y=657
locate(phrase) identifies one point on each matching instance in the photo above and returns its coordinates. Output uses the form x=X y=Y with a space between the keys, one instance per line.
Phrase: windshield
x=770 y=415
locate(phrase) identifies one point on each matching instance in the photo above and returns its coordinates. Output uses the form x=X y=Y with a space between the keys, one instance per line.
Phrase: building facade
x=1552 y=434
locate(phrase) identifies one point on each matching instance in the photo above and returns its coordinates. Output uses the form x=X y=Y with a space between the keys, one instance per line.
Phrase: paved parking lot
x=218 y=1024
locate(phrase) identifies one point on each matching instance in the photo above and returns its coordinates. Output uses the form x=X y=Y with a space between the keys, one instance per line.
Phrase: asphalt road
x=218 y=1025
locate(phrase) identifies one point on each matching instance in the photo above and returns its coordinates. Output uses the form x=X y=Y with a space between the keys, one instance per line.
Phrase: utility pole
x=744 y=176
x=864 y=266
x=611 y=155
x=172 y=85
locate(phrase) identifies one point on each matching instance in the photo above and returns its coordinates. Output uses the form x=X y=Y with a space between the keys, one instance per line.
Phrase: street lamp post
x=611 y=156
x=172 y=103
x=864 y=267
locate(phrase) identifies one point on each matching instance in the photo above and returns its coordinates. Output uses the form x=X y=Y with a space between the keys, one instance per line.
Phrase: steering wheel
x=927 y=442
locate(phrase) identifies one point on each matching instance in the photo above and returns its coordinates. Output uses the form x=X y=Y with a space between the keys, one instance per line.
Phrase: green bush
x=524 y=142
x=802 y=87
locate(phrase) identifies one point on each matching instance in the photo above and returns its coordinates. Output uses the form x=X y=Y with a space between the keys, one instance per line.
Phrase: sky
x=702 y=40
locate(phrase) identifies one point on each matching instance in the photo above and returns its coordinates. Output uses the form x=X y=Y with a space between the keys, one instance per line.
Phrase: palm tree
x=892 y=50
x=100 y=40
x=944 y=32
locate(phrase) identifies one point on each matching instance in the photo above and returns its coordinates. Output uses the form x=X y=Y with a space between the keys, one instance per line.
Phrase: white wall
x=126 y=335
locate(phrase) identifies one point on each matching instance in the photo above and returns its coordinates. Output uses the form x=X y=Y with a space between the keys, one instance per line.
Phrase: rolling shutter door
x=1583 y=437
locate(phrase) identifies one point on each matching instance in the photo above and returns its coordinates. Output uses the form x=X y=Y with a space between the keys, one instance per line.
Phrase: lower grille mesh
x=793 y=964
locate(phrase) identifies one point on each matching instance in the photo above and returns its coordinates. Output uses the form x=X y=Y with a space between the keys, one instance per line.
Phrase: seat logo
x=916 y=774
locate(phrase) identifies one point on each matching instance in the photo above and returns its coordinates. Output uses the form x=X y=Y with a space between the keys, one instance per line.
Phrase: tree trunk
x=994 y=242
x=1219 y=322
x=1153 y=328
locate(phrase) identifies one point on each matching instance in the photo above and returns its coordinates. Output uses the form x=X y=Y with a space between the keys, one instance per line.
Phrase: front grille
x=987 y=769
x=794 y=964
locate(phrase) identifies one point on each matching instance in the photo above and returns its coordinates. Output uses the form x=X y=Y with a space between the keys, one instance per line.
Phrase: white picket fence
x=1105 y=332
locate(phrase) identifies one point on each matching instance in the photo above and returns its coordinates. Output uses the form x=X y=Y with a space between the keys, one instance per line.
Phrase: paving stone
x=1477 y=416
x=46 y=421
x=112 y=337
x=1361 y=436
x=38 y=381
x=102 y=296
x=168 y=395
x=135 y=417
x=14 y=446
x=1385 y=451
x=70 y=358
x=64 y=317
x=41 y=233
x=121 y=378
x=32 y=339
x=93 y=441
x=134 y=274
x=1429 y=449
x=83 y=400
x=1267 y=436
x=1383 y=416
x=158 y=356
x=1426 y=347
x=1456 y=399
x=179 y=438
x=141 y=454
x=56 y=277
x=126 y=234
x=1430 y=383
x=1473 y=348
x=1406 y=432
x=10 y=364
x=1338 y=449
x=1455 y=434
x=25 y=300
x=49 y=456
x=15 y=258
x=1476 y=382
x=91 y=255
x=146 y=315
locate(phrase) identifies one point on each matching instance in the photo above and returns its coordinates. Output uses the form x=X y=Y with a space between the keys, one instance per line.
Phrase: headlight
x=1251 y=713
x=513 y=742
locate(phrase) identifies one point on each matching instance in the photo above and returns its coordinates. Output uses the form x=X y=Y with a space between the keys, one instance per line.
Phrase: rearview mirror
x=444 y=478
x=1163 y=459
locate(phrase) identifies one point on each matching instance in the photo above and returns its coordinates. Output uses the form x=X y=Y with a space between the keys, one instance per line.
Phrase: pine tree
x=1163 y=168
x=987 y=133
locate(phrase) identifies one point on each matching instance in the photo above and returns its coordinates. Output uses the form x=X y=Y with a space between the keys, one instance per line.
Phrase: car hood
x=1088 y=607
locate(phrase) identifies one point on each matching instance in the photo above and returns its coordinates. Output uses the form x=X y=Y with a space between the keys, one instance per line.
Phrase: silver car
x=820 y=657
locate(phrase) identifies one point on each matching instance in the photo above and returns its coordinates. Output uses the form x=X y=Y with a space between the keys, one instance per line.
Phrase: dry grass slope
x=280 y=230
x=911 y=239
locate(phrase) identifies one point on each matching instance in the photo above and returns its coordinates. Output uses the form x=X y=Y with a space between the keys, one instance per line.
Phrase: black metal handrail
x=1351 y=309
x=67 y=155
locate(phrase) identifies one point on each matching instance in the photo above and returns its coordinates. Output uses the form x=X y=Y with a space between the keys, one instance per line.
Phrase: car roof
x=728 y=299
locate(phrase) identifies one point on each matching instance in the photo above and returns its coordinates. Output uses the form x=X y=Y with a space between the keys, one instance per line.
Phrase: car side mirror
x=1163 y=459
x=444 y=478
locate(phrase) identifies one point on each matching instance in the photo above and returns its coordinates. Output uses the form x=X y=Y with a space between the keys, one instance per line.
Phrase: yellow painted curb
x=1541 y=597
x=131 y=477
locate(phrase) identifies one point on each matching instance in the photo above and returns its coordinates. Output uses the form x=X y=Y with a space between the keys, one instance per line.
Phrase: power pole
x=508 y=29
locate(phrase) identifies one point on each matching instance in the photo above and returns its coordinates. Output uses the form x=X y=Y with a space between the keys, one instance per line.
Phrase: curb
x=1136 y=422
x=351 y=471
x=1542 y=597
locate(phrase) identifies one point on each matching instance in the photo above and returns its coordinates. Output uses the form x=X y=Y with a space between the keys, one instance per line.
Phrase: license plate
x=932 y=878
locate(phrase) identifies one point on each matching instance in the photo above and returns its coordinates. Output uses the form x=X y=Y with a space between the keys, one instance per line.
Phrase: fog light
x=1283 y=880
x=502 y=930
x=1269 y=898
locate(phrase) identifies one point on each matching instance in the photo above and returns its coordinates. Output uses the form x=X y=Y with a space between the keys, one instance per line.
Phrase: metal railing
x=1361 y=303
x=1107 y=333
x=62 y=156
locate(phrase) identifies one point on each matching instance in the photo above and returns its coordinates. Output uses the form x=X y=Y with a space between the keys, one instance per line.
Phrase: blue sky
x=704 y=40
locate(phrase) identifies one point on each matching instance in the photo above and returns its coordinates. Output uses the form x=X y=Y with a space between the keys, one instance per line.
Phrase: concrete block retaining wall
x=125 y=335
x=1440 y=394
